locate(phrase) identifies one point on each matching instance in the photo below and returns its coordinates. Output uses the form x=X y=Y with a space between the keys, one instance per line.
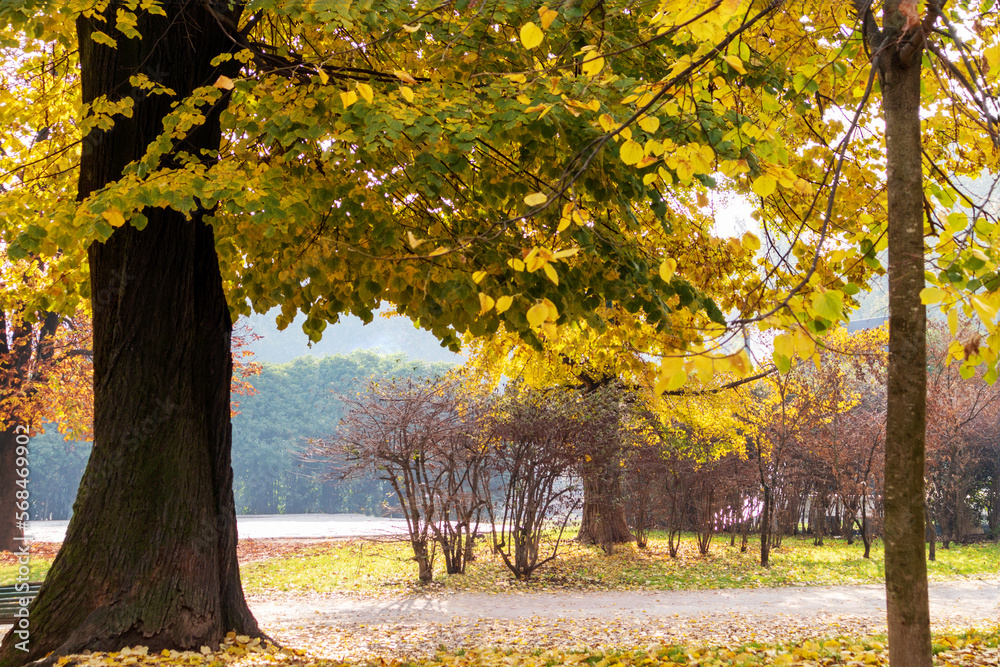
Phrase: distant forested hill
x=294 y=401
x=300 y=400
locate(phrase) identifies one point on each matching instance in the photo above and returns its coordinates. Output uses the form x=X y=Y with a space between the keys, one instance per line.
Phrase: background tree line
x=292 y=402
x=802 y=451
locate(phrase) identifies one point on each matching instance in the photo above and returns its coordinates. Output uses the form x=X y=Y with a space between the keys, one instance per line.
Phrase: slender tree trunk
x=15 y=358
x=993 y=516
x=905 y=564
x=150 y=552
x=931 y=535
x=865 y=537
x=11 y=528
x=765 y=527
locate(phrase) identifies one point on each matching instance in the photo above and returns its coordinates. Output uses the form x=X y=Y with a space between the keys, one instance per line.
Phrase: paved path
x=957 y=600
x=409 y=627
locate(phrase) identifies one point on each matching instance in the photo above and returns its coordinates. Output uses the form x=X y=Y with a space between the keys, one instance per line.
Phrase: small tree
x=417 y=435
x=533 y=435
x=646 y=499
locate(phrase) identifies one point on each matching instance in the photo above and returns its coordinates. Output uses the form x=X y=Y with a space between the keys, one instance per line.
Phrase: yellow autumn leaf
x=324 y=78
x=547 y=16
x=486 y=303
x=751 y=242
x=503 y=303
x=223 y=82
x=531 y=35
x=407 y=93
x=114 y=217
x=704 y=367
x=735 y=63
x=805 y=345
x=929 y=295
x=535 y=199
x=985 y=310
x=553 y=312
x=667 y=269
x=631 y=152
x=784 y=345
x=366 y=92
x=607 y=122
x=764 y=185
x=649 y=124
x=739 y=363
x=405 y=77
x=672 y=374
x=550 y=273
x=348 y=97
x=537 y=314
x=992 y=55
x=593 y=63
x=478 y=276
x=439 y=251
x=953 y=321
x=413 y=240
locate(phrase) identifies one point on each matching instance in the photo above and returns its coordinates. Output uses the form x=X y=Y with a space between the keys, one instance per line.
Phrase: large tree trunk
x=150 y=553
x=905 y=564
x=603 y=521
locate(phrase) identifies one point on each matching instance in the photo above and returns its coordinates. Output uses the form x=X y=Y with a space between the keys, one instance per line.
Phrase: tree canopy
x=478 y=165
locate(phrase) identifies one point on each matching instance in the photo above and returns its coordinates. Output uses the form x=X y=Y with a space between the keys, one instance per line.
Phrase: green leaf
x=104 y=230
x=783 y=363
x=829 y=305
x=103 y=38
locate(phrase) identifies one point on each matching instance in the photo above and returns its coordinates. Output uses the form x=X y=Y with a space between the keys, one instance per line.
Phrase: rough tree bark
x=905 y=564
x=603 y=521
x=150 y=553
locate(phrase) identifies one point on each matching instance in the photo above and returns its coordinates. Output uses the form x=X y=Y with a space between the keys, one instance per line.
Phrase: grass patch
x=366 y=567
x=38 y=567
